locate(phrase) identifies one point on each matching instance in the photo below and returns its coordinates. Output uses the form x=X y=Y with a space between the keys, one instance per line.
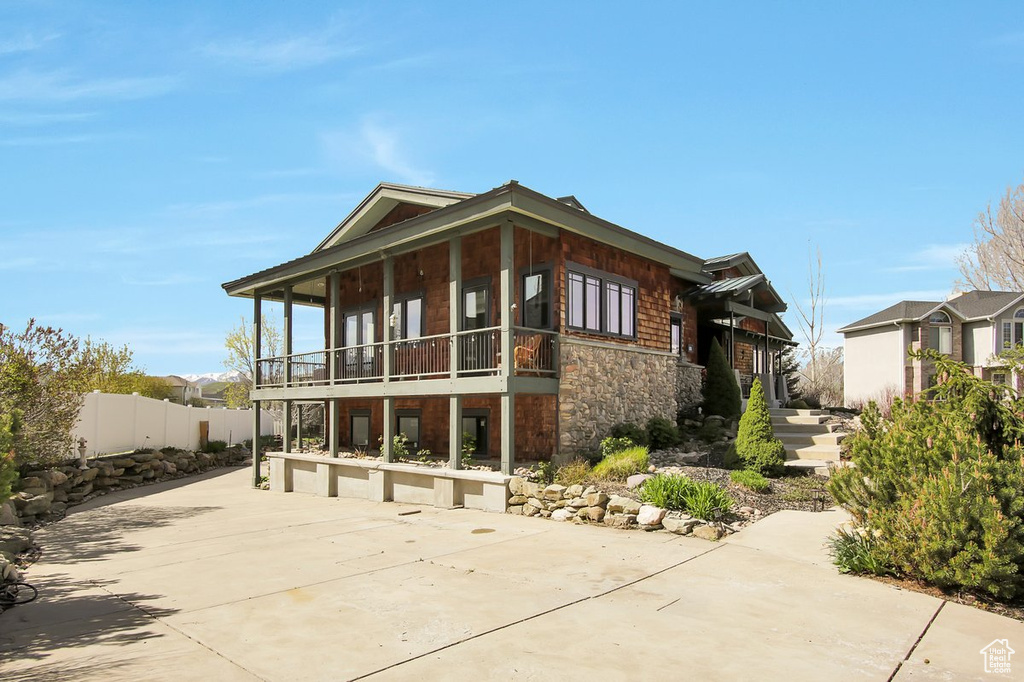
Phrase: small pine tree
x=756 y=444
x=721 y=392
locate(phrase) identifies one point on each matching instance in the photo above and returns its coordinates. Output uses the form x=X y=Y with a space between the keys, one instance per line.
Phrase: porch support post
x=767 y=362
x=387 y=449
x=256 y=474
x=454 y=299
x=507 y=297
x=732 y=340
x=286 y=338
x=389 y=294
x=257 y=338
x=333 y=419
x=508 y=433
x=333 y=323
x=298 y=425
x=455 y=431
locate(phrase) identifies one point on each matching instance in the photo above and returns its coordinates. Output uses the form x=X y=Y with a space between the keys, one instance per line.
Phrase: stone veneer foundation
x=603 y=384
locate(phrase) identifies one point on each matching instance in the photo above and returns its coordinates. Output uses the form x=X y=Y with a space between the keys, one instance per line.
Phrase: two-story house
x=522 y=320
x=973 y=327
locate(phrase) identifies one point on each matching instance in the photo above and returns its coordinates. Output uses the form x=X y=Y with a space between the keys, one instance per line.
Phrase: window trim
x=471 y=285
x=604 y=278
x=541 y=269
x=476 y=413
x=368 y=307
x=676 y=320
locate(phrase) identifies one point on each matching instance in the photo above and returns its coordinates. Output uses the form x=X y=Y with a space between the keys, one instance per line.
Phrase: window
x=1013 y=332
x=999 y=378
x=408 y=317
x=676 y=335
x=358 y=329
x=601 y=303
x=474 y=423
x=476 y=306
x=940 y=334
x=536 y=292
x=360 y=428
x=409 y=424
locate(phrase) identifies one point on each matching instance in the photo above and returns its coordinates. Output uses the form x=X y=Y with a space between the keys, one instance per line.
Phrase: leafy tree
x=756 y=444
x=8 y=470
x=112 y=370
x=939 y=485
x=721 y=392
x=995 y=261
x=40 y=376
x=241 y=346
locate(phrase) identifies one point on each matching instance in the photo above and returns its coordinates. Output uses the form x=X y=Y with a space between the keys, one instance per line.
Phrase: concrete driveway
x=209 y=579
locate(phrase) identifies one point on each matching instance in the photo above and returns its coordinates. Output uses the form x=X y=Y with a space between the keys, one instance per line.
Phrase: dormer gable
x=389 y=204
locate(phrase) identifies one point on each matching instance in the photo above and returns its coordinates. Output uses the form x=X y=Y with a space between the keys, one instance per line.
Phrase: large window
x=358 y=329
x=601 y=303
x=476 y=306
x=409 y=424
x=360 y=428
x=474 y=423
x=536 y=291
x=940 y=333
x=408 y=318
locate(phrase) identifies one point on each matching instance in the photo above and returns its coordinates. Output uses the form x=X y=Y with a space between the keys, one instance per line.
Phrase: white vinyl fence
x=119 y=423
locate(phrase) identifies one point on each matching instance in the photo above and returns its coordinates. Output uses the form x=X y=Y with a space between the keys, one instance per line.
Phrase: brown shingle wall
x=654 y=281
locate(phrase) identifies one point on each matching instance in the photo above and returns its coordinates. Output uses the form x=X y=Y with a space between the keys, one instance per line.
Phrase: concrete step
x=804 y=438
x=827 y=453
x=799 y=419
x=787 y=427
x=790 y=412
x=815 y=466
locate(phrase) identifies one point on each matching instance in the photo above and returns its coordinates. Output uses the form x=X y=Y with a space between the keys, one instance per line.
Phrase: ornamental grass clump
x=756 y=445
x=706 y=501
x=939 y=485
x=573 y=473
x=666 y=491
x=621 y=465
x=751 y=480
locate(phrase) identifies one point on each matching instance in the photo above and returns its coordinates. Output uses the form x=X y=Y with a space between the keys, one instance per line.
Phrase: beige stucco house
x=973 y=327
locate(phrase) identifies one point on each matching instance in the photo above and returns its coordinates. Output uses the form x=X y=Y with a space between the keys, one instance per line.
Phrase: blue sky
x=151 y=151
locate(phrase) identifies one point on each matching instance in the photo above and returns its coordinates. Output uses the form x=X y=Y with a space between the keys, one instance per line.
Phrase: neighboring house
x=522 y=320
x=183 y=391
x=974 y=327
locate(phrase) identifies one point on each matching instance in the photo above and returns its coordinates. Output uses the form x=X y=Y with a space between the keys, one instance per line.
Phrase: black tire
x=17 y=593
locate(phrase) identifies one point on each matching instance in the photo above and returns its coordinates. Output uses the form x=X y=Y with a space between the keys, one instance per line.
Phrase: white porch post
x=387 y=447
x=257 y=340
x=333 y=322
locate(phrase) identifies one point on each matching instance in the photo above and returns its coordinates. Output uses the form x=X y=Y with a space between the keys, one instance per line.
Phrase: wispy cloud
x=41 y=119
x=27 y=42
x=886 y=299
x=380 y=146
x=51 y=141
x=932 y=257
x=171 y=341
x=283 y=54
x=173 y=279
x=62 y=86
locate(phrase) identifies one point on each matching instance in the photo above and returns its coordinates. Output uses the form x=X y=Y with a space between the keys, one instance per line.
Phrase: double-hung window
x=1013 y=332
x=600 y=303
x=676 y=335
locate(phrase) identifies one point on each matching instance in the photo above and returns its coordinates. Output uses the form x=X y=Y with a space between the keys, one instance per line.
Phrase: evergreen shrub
x=756 y=444
x=721 y=392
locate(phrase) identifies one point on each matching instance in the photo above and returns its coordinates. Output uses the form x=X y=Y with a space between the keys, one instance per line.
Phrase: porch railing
x=535 y=353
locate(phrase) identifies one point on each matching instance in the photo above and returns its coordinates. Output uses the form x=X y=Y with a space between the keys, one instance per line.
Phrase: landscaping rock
x=623 y=505
x=620 y=520
x=574 y=491
x=577 y=503
x=595 y=514
x=518 y=499
x=637 y=480
x=561 y=515
x=515 y=485
x=554 y=492
x=516 y=510
x=37 y=504
x=678 y=526
x=712 y=533
x=7 y=515
x=596 y=499
x=14 y=540
x=530 y=510
x=649 y=515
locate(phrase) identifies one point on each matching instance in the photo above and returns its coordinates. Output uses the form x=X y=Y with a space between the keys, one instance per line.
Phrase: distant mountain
x=213 y=377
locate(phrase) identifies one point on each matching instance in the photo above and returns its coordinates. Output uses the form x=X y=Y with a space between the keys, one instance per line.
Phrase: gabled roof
x=904 y=311
x=741 y=260
x=969 y=307
x=380 y=201
x=474 y=212
x=765 y=296
x=978 y=305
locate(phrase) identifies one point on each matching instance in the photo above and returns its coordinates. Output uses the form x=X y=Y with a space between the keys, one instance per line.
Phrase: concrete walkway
x=207 y=579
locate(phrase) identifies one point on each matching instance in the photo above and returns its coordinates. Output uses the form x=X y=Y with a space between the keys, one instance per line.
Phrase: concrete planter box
x=381 y=482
